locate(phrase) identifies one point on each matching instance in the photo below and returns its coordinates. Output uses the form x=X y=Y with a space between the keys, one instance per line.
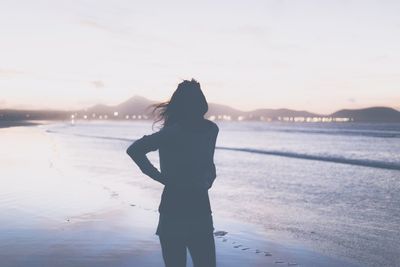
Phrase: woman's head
x=187 y=104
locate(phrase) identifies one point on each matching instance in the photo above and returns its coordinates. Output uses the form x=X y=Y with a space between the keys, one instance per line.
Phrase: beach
x=64 y=203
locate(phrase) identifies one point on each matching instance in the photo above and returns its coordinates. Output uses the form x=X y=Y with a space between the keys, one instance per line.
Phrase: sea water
x=332 y=187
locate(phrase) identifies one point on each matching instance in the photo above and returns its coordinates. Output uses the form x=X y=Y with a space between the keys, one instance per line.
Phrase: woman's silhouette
x=186 y=145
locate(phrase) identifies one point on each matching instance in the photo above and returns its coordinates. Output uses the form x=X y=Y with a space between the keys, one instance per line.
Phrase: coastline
x=64 y=220
x=8 y=124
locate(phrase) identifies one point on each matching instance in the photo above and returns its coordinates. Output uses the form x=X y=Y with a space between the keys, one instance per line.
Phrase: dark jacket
x=187 y=167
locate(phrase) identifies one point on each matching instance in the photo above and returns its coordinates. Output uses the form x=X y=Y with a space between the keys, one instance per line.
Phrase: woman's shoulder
x=208 y=126
x=212 y=125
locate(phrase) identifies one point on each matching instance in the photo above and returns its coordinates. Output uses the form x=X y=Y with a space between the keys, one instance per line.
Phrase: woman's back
x=186 y=156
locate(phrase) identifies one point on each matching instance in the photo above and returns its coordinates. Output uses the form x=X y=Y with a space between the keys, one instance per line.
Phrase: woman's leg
x=202 y=249
x=173 y=251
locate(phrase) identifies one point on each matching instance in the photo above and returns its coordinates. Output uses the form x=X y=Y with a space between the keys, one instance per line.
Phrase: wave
x=287 y=154
x=333 y=159
x=380 y=134
x=93 y=136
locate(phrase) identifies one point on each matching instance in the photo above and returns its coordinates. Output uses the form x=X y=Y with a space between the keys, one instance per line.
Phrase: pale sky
x=315 y=55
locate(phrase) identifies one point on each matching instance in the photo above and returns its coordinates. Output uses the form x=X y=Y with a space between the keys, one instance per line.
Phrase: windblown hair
x=187 y=105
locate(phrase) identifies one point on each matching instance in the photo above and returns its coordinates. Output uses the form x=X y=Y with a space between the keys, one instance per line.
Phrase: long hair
x=187 y=105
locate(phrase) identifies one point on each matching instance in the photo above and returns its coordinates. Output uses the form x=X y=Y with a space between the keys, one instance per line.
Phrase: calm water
x=334 y=188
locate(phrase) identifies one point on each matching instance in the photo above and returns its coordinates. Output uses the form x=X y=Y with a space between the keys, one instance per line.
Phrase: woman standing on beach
x=186 y=145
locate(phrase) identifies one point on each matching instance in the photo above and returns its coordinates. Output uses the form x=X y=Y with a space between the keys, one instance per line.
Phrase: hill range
x=139 y=107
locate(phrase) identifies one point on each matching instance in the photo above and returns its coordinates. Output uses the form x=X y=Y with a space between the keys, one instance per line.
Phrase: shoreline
x=64 y=220
x=9 y=124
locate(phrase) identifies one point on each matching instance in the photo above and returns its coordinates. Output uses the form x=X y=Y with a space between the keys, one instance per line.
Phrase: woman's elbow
x=132 y=150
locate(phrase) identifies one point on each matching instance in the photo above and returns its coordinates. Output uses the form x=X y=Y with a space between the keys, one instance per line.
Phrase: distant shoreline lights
x=221 y=117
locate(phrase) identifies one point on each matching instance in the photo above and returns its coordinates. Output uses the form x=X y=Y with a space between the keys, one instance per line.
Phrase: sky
x=317 y=55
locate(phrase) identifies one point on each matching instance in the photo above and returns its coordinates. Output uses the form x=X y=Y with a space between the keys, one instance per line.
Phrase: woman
x=186 y=145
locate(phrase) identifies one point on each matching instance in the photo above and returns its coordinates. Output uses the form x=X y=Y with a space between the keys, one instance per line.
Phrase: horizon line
x=209 y=103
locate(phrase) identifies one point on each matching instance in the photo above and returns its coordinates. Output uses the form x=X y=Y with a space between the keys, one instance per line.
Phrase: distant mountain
x=274 y=114
x=98 y=109
x=373 y=114
x=134 y=105
x=218 y=109
x=138 y=107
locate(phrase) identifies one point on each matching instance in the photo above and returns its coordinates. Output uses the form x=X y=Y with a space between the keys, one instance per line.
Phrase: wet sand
x=52 y=215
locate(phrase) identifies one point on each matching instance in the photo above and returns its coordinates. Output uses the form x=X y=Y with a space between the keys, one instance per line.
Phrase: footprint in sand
x=220 y=233
x=113 y=194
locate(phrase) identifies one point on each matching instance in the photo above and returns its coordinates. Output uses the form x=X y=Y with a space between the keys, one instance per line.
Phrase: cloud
x=98 y=84
x=352 y=100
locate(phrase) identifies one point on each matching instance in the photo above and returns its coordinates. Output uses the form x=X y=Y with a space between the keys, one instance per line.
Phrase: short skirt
x=181 y=226
x=184 y=210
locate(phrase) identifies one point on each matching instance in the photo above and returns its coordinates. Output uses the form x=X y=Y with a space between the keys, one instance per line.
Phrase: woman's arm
x=138 y=150
x=213 y=170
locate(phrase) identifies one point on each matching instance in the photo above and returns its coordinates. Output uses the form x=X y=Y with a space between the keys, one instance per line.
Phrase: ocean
x=331 y=187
